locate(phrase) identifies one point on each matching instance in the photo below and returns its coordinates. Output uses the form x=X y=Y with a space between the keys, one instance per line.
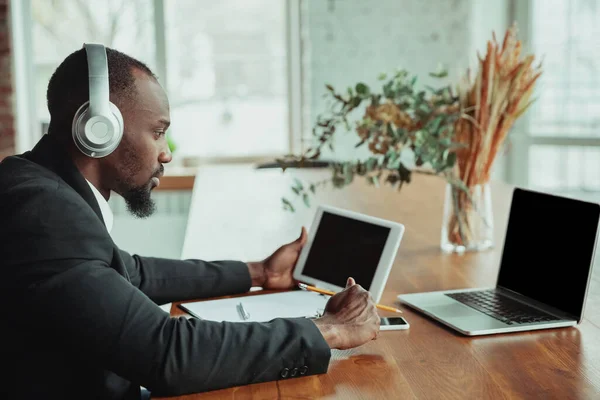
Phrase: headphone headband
x=98 y=79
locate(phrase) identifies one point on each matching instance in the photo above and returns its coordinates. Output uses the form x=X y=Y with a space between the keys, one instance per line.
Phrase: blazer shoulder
x=44 y=218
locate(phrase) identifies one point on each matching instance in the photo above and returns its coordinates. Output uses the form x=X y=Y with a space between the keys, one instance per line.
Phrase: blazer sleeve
x=165 y=280
x=95 y=313
x=85 y=307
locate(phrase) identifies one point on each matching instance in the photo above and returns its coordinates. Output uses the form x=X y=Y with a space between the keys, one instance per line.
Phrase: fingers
x=303 y=236
x=301 y=241
x=350 y=282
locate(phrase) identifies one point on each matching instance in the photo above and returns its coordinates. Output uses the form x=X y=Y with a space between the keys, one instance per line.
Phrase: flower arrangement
x=394 y=121
x=455 y=133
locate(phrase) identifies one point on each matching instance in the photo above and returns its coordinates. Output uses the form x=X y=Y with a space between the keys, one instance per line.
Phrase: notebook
x=260 y=308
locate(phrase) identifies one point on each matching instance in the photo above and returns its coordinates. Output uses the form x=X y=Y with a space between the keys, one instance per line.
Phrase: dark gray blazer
x=80 y=316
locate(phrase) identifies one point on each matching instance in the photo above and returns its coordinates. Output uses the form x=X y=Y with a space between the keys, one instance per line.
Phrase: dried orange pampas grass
x=500 y=93
x=497 y=95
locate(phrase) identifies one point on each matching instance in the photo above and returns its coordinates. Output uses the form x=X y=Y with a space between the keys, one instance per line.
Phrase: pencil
x=330 y=293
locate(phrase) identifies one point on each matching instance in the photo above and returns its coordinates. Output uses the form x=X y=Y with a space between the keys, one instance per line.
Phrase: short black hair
x=68 y=87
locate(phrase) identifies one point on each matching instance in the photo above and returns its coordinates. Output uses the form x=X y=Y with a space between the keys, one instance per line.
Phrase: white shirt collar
x=107 y=214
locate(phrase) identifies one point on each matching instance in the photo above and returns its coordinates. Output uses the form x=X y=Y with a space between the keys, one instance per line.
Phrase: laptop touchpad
x=455 y=310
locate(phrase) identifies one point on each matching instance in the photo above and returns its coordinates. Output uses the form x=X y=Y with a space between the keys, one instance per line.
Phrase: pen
x=323 y=291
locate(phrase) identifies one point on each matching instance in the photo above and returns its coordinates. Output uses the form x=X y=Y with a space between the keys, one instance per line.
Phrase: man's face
x=134 y=167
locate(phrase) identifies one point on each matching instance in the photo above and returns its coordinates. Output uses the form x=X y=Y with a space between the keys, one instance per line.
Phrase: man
x=81 y=316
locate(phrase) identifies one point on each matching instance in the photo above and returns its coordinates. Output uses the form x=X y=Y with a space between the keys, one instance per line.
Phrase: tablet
x=342 y=244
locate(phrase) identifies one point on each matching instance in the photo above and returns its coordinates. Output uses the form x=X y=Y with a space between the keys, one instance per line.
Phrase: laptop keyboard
x=501 y=307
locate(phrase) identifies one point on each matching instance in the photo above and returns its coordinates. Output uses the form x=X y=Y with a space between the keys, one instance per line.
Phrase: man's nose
x=165 y=155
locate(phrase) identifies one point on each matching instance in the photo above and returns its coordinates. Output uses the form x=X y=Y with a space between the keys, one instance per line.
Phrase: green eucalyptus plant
x=397 y=119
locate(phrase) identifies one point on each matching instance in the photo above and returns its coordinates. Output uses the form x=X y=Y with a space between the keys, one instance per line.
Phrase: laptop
x=544 y=273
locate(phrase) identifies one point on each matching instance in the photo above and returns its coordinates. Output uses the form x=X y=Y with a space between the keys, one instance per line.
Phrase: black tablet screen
x=344 y=247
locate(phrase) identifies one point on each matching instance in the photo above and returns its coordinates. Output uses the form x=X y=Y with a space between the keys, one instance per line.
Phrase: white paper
x=166 y=307
x=260 y=308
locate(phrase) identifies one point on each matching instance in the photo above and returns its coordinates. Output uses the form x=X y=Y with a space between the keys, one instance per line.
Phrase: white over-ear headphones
x=98 y=124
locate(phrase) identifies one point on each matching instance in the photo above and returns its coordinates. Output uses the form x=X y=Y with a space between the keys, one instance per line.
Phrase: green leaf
x=306 y=200
x=445 y=142
x=359 y=143
x=362 y=89
x=296 y=190
x=312 y=188
x=298 y=184
x=434 y=125
x=382 y=76
x=287 y=205
x=329 y=87
x=400 y=134
x=413 y=81
x=356 y=101
x=440 y=73
x=424 y=108
x=389 y=130
x=371 y=164
x=394 y=164
x=388 y=91
x=420 y=137
x=393 y=159
x=451 y=160
x=374 y=180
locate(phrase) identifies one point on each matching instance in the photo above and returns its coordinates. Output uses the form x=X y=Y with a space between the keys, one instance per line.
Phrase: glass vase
x=468 y=221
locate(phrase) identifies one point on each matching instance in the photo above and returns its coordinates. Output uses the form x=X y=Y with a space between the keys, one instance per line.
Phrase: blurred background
x=245 y=78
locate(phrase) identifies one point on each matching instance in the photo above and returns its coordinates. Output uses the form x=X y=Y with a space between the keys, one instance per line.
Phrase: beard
x=138 y=200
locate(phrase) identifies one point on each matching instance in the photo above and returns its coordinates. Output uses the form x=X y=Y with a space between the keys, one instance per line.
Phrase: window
x=223 y=64
x=62 y=26
x=562 y=152
x=567 y=35
x=226 y=64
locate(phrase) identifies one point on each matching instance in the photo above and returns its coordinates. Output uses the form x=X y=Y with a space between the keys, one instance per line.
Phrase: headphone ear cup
x=118 y=123
x=100 y=135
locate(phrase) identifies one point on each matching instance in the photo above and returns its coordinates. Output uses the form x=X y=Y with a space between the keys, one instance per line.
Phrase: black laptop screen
x=345 y=247
x=549 y=248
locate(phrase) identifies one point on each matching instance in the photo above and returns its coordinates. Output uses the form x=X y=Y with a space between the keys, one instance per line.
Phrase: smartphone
x=393 y=323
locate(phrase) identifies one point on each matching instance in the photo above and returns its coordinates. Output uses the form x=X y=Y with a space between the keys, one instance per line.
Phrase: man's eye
x=159 y=133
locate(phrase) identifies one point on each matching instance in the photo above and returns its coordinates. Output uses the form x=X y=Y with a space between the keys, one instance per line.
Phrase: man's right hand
x=350 y=318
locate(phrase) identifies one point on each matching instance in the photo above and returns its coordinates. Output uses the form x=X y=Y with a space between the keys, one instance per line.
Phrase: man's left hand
x=275 y=272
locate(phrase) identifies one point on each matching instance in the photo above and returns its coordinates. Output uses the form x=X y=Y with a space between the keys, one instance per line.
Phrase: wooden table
x=236 y=213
